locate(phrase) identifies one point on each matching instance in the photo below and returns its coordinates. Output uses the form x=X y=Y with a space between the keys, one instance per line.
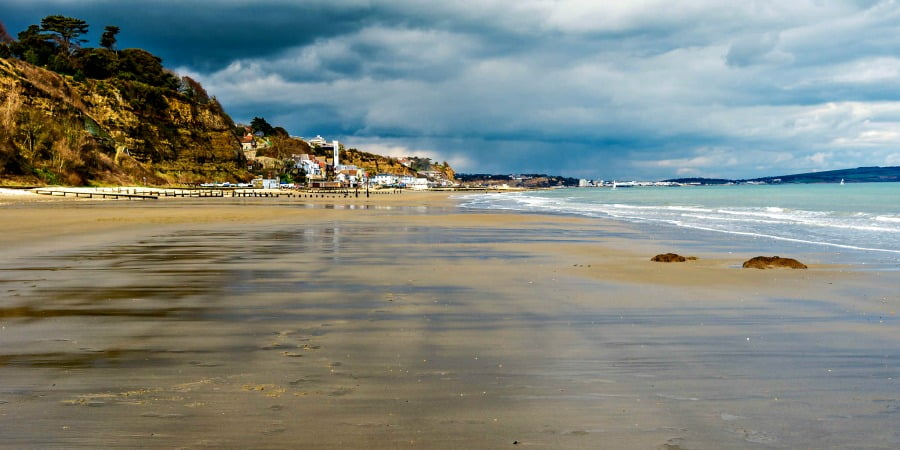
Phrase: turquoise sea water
x=863 y=218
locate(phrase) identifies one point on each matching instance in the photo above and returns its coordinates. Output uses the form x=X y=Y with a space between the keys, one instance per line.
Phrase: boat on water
x=842 y=181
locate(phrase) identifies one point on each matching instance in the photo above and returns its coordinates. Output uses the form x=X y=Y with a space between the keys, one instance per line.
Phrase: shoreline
x=792 y=232
x=169 y=211
x=817 y=254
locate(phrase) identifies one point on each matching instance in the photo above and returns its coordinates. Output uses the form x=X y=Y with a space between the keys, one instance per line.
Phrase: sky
x=599 y=89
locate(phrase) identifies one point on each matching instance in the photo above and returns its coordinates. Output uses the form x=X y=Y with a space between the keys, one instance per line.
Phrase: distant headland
x=873 y=174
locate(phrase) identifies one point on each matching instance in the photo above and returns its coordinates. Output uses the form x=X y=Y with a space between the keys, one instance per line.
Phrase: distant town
x=322 y=167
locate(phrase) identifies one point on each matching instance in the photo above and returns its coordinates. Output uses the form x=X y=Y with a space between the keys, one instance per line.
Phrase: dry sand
x=401 y=321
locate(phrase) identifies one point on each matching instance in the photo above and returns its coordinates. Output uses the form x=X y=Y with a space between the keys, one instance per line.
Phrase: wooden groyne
x=261 y=194
x=92 y=194
x=173 y=192
x=345 y=193
x=138 y=193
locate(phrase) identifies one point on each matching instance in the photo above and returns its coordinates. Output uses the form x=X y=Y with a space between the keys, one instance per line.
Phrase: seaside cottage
x=350 y=175
x=248 y=142
x=310 y=165
x=384 y=179
x=413 y=182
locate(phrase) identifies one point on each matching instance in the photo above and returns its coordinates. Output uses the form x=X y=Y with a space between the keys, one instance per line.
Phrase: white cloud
x=818 y=159
x=869 y=70
x=892 y=159
x=702 y=158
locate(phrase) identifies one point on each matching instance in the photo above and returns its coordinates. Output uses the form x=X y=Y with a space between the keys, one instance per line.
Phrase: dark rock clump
x=672 y=257
x=773 y=262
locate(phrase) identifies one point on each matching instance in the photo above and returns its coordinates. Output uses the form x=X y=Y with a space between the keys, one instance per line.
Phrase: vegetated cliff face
x=448 y=172
x=375 y=164
x=56 y=130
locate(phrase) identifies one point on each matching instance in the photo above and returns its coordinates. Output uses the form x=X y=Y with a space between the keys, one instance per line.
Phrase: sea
x=852 y=223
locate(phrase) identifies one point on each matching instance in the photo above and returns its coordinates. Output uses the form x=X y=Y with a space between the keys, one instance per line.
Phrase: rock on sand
x=672 y=257
x=772 y=262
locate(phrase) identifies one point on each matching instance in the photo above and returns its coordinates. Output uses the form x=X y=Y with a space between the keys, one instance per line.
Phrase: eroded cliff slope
x=55 y=129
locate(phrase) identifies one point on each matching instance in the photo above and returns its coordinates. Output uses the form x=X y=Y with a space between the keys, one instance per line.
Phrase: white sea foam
x=730 y=219
x=836 y=224
x=688 y=209
x=790 y=239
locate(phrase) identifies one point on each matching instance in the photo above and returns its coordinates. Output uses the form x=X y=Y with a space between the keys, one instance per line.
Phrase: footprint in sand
x=755 y=436
x=286 y=340
x=341 y=392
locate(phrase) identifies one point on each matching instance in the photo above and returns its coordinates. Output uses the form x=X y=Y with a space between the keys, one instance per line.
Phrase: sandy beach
x=405 y=321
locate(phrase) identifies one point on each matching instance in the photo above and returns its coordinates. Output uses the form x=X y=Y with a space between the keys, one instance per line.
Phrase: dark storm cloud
x=202 y=34
x=645 y=88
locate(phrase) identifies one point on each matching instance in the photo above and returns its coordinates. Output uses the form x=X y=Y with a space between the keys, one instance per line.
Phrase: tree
x=5 y=41
x=141 y=65
x=97 y=63
x=419 y=164
x=260 y=125
x=33 y=47
x=108 y=38
x=68 y=31
x=5 y=38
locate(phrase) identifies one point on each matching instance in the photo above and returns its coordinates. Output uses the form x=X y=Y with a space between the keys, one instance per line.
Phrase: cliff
x=55 y=129
x=375 y=164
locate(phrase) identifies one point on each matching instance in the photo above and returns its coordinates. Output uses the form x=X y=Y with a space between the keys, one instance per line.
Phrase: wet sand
x=402 y=321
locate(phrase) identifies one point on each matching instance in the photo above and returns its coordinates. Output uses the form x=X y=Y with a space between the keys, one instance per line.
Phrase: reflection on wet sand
x=32 y=313
x=379 y=329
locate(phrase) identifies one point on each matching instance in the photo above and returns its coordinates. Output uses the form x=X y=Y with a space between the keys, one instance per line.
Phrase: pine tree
x=68 y=31
x=108 y=39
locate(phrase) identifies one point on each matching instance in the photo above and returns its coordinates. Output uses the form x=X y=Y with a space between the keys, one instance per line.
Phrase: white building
x=413 y=182
x=311 y=167
x=247 y=142
x=317 y=141
x=383 y=179
x=349 y=173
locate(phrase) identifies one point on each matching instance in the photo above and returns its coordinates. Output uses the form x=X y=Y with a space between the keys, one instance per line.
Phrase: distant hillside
x=523 y=180
x=374 y=164
x=858 y=175
x=699 y=180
